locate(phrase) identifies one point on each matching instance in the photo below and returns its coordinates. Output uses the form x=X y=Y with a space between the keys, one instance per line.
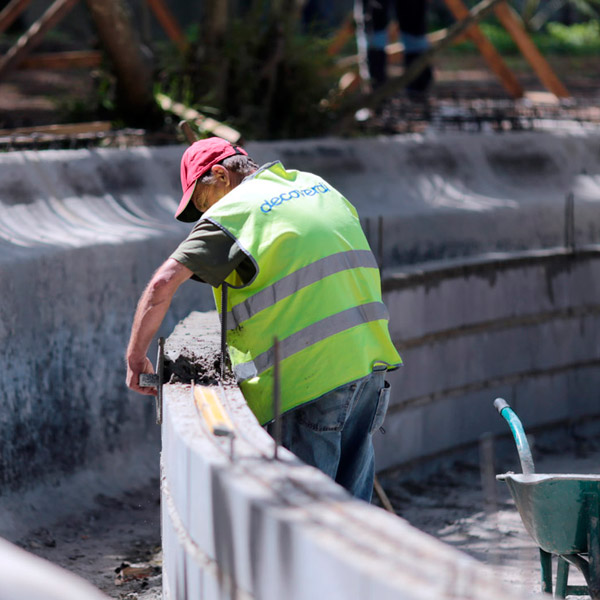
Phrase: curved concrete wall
x=521 y=326
x=81 y=232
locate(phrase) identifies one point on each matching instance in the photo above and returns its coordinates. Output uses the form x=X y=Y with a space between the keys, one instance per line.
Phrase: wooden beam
x=203 y=122
x=80 y=59
x=507 y=16
x=65 y=129
x=491 y=56
x=11 y=12
x=33 y=36
x=168 y=22
x=383 y=496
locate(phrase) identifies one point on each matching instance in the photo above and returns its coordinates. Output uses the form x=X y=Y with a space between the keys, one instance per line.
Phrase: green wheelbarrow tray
x=560 y=512
x=556 y=510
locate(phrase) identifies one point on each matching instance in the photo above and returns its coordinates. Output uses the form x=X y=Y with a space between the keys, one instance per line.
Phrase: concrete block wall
x=521 y=326
x=246 y=526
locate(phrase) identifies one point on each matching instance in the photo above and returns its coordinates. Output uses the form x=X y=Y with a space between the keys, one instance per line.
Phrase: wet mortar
x=193 y=357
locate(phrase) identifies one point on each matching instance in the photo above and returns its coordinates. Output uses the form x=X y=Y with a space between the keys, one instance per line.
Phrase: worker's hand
x=134 y=368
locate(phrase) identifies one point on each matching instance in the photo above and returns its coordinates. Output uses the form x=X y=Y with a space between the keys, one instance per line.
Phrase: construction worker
x=374 y=16
x=287 y=258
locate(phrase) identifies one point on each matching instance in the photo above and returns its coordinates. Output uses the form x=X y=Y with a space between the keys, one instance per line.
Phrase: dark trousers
x=412 y=21
x=411 y=15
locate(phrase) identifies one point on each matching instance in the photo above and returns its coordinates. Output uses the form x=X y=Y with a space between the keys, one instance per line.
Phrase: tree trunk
x=134 y=74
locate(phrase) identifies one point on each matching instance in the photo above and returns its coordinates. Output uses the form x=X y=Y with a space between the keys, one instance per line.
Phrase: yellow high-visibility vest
x=317 y=289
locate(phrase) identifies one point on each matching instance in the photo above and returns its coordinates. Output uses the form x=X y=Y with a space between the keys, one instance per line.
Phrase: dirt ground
x=452 y=506
x=115 y=546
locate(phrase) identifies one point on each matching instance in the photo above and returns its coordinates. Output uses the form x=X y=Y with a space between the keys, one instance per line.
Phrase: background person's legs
x=376 y=13
x=412 y=20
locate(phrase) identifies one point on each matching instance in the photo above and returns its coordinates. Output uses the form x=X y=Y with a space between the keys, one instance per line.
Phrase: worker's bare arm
x=149 y=315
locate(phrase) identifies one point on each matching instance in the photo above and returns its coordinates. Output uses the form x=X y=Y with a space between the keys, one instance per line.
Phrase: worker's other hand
x=134 y=369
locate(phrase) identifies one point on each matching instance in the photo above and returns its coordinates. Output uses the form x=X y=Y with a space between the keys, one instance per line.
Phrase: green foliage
x=98 y=105
x=266 y=78
x=583 y=38
x=556 y=38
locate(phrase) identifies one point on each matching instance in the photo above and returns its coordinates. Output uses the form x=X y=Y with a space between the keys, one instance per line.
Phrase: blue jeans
x=334 y=432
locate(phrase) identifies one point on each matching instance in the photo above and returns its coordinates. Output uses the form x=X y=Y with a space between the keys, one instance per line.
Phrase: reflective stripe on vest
x=297 y=280
x=374 y=311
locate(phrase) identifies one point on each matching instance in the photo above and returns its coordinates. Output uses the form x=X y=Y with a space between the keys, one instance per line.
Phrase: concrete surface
x=449 y=195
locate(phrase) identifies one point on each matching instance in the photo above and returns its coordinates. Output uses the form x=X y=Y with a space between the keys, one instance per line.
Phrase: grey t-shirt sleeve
x=212 y=255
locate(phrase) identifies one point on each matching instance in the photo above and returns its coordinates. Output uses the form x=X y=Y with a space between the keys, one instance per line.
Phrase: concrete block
x=200 y=502
x=194 y=576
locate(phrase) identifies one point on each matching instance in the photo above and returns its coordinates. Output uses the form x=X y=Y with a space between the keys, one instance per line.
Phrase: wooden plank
x=11 y=12
x=487 y=50
x=34 y=35
x=168 y=23
x=65 y=129
x=80 y=59
x=383 y=496
x=395 y=51
x=203 y=122
x=506 y=15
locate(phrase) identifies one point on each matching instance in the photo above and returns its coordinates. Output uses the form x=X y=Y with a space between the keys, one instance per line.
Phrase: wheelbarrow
x=560 y=512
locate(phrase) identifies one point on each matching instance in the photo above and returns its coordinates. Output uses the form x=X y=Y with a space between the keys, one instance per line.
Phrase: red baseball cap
x=197 y=160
